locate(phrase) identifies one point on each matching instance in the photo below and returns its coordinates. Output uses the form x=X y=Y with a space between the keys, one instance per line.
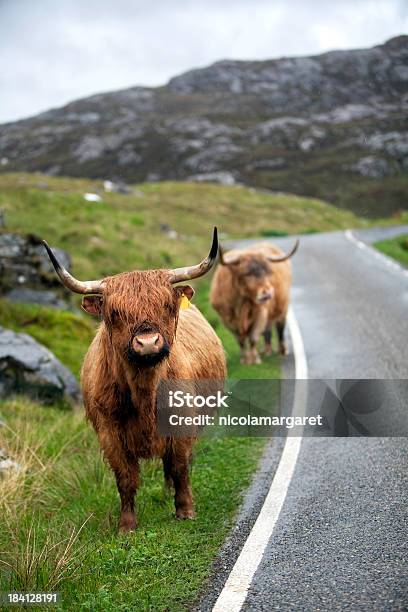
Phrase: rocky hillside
x=332 y=126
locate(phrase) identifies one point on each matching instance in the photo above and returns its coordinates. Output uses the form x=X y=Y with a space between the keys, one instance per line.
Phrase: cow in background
x=251 y=292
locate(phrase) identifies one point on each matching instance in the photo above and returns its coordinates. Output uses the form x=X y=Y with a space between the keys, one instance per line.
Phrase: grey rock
x=26 y=295
x=394 y=143
x=169 y=231
x=128 y=155
x=6 y=463
x=306 y=144
x=266 y=164
x=348 y=112
x=281 y=131
x=117 y=187
x=210 y=159
x=372 y=167
x=197 y=126
x=92 y=147
x=222 y=178
x=28 y=367
x=24 y=264
x=187 y=145
x=153 y=177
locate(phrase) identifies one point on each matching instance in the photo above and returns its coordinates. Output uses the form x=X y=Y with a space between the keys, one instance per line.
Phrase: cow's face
x=140 y=311
x=254 y=278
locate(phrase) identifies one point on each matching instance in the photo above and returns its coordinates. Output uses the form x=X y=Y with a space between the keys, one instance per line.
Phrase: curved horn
x=221 y=256
x=287 y=256
x=225 y=262
x=69 y=281
x=190 y=272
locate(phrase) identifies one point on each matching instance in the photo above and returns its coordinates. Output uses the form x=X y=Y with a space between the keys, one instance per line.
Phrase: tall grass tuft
x=41 y=566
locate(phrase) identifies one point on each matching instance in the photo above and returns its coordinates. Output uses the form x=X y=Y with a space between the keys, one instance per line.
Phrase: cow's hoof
x=268 y=352
x=126 y=530
x=283 y=350
x=127 y=524
x=254 y=359
x=183 y=514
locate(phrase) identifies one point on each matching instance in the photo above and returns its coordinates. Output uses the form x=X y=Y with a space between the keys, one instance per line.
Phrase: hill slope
x=123 y=232
x=330 y=126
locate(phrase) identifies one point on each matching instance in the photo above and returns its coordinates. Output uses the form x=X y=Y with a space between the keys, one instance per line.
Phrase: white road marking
x=236 y=587
x=390 y=263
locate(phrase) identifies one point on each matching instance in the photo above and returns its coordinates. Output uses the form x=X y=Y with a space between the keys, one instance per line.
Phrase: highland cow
x=144 y=337
x=251 y=291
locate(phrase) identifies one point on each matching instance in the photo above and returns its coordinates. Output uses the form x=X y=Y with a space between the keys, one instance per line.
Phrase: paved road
x=341 y=540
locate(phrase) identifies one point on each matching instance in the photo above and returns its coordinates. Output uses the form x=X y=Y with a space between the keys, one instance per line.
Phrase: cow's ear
x=92 y=304
x=185 y=290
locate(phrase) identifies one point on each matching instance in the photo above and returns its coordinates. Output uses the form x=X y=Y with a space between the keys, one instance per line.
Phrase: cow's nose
x=265 y=295
x=147 y=343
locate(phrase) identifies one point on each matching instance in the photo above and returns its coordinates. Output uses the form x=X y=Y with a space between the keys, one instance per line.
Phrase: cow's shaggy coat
x=120 y=395
x=237 y=293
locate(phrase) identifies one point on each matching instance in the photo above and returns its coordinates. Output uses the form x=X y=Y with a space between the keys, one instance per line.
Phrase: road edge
x=391 y=264
x=236 y=587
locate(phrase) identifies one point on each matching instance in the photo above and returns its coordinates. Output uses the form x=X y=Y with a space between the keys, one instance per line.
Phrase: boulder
x=222 y=178
x=29 y=367
x=36 y=296
x=26 y=271
x=372 y=167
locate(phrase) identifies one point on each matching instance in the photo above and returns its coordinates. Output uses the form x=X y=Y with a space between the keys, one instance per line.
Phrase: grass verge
x=397 y=248
x=58 y=516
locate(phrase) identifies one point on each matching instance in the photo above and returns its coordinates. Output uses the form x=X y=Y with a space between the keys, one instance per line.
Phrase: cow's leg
x=126 y=472
x=168 y=479
x=280 y=327
x=244 y=358
x=127 y=481
x=254 y=357
x=177 y=458
x=267 y=334
x=257 y=329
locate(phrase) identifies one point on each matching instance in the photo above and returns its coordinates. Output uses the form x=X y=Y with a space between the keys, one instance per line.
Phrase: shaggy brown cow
x=250 y=291
x=143 y=337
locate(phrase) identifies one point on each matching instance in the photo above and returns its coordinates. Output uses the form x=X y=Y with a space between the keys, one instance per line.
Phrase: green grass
x=63 y=485
x=397 y=248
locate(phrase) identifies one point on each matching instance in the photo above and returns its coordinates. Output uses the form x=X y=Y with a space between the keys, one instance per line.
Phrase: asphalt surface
x=340 y=542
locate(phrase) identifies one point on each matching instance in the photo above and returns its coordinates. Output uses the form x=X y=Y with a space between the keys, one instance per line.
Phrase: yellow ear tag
x=184 y=302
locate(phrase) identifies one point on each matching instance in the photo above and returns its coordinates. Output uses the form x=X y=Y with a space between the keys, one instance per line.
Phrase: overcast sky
x=54 y=51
